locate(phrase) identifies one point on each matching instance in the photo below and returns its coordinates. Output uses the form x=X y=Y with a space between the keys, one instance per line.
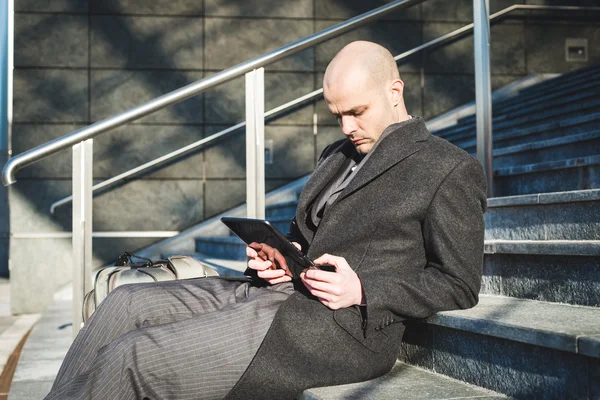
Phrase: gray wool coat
x=410 y=223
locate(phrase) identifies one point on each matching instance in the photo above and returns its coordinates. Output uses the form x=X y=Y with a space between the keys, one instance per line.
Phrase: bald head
x=362 y=61
x=364 y=92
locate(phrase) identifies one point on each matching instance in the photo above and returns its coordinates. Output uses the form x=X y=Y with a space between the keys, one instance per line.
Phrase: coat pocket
x=350 y=320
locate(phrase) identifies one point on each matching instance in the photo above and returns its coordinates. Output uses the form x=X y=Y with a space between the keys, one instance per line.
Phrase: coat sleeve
x=450 y=276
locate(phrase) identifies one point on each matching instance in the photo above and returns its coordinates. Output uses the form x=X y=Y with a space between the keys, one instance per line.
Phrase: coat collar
x=398 y=141
x=404 y=139
x=327 y=170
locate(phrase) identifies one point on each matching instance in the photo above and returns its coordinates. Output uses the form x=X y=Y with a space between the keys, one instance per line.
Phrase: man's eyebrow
x=351 y=111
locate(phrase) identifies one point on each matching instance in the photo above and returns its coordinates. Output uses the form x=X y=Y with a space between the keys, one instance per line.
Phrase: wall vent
x=576 y=50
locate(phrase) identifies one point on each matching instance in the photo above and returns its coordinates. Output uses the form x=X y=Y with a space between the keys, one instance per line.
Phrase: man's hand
x=269 y=263
x=336 y=290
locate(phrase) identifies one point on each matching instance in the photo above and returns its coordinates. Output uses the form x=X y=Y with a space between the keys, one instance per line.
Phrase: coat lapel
x=326 y=171
x=322 y=175
x=408 y=138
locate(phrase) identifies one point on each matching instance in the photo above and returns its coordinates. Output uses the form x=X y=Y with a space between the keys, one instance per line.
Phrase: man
x=398 y=212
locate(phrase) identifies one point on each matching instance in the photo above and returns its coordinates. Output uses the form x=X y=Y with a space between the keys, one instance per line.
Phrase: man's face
x=363 y=110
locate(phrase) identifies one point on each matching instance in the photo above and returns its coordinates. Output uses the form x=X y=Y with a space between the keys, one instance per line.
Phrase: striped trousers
x=188 y=339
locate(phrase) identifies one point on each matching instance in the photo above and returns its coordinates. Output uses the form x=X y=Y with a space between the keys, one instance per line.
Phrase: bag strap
x=126 y=259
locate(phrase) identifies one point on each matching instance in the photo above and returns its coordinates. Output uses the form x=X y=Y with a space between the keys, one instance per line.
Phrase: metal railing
x=31 y=156
x=196 y=146
x=81 y=142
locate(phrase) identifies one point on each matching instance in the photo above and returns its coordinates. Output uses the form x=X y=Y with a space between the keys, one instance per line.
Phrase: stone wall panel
x=47 y=40
x=115 y=91
x=230 y=41
x=146 y=42
x=53 y=95
x=260 y=8
x=155 y=7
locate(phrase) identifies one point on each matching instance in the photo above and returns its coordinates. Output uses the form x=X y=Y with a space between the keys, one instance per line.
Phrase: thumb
x=326 y=259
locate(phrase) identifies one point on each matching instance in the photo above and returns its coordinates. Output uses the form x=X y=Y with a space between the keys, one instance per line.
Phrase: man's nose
x=348 y=124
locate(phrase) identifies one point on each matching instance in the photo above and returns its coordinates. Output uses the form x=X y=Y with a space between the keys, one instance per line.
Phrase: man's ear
x=397 y=91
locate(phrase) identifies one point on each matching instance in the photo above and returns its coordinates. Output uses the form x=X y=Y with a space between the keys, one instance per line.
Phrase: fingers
x=323 y=287
x=274 y=256
x=274 y=276
x=260 y=265
x=250 y=252
x=297 y=245
x=328 y=299
x=271 y=273
x=328 y=259
x=284 y=278
x=319 y=275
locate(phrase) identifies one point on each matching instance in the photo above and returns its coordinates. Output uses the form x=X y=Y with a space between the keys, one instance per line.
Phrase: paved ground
x=6 y=319
x=12 y=330
x=44 y=350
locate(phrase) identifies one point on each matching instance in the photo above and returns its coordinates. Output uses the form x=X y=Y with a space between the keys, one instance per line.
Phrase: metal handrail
x=187 y=149
x=309 y=96
x=33 y=155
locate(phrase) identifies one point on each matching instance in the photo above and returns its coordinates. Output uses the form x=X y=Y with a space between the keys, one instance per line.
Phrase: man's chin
x=363 y=148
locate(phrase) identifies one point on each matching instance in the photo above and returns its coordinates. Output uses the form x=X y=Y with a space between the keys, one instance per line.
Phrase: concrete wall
x=78 y=62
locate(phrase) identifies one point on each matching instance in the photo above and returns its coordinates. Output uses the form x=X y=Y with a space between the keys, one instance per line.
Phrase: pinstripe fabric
x=189 y=339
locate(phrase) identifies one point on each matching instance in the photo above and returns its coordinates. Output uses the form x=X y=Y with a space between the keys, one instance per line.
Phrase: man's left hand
x=339 y=289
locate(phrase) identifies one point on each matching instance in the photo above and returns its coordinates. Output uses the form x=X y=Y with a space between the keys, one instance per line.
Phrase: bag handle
x=125 y=259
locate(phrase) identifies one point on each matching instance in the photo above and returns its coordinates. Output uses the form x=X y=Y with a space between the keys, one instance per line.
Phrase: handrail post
x=483 y=89
x=255 y=143
x=82 y=227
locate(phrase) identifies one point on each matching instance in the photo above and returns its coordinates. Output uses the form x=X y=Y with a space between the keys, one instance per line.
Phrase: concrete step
x=544 y=216
x=574 y=75
x=403 y=382
x=554 y=176
x=550 y=109
x=560 y=271
x=584 y=103
x=515 y=104
x=542 y=130
x=563 y=107
x=282 y=210
x=282 y=224
x=573 y=146
x=227 y=248
x=526 y=349
x=565 y=83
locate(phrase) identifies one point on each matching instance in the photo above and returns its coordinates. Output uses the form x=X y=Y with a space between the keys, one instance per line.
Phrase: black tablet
x=261 y=231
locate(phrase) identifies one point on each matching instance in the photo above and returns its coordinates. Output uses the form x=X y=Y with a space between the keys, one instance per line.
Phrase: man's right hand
x=269 y=263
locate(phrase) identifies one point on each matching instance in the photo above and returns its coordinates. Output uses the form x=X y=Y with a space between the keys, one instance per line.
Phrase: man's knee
x=125 y=295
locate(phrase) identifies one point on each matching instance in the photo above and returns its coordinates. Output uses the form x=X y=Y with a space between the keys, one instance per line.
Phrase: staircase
x=536 y=330
x=546 y=138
